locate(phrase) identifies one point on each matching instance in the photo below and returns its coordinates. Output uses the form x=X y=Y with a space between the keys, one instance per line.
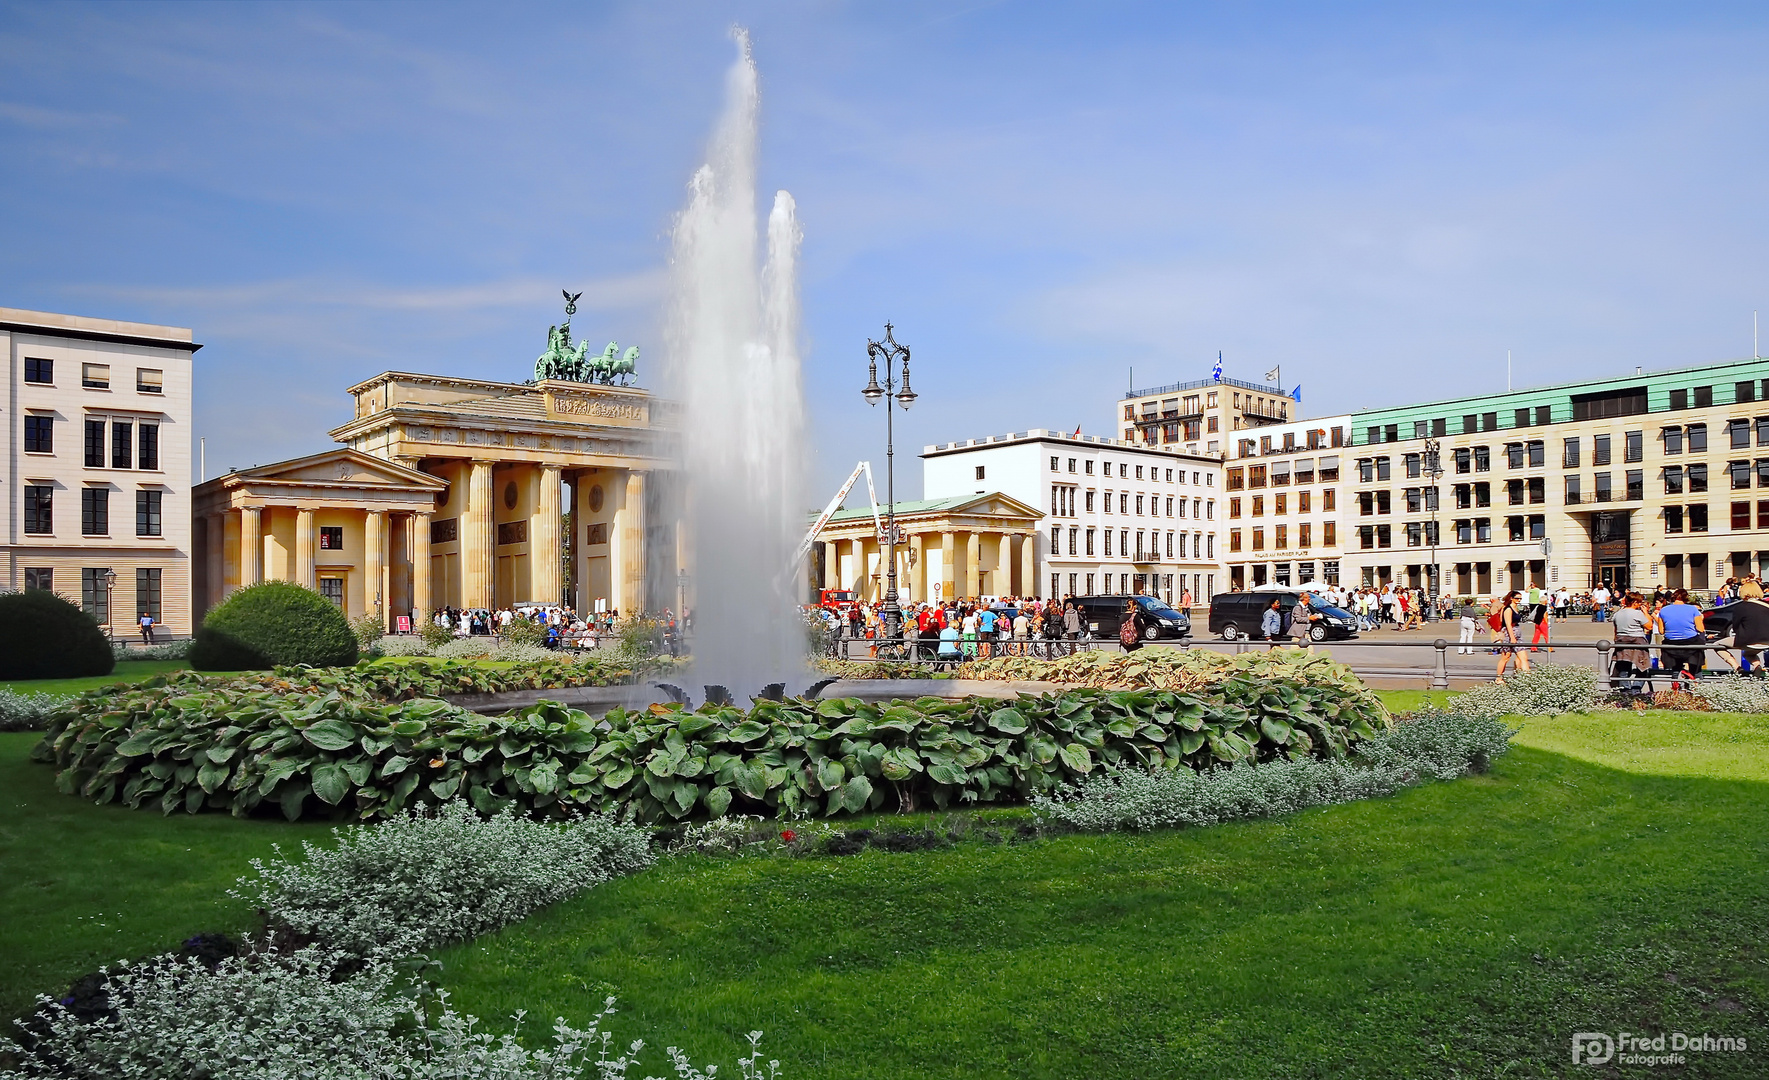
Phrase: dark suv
x=1238 y=615
x=1101 y=616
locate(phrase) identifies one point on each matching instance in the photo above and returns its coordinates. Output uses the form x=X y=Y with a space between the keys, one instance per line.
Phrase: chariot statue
x=572 y=363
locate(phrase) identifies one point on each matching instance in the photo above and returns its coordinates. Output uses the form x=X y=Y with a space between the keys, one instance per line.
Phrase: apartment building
x=1640 y=480
x=98 y=464
x=1120 y=517
x=1284 y=515
x=1201 y=417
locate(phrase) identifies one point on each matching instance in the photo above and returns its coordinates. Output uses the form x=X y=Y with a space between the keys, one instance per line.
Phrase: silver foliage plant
x=1543 y=690
x=404 y=645
x=1734 y=693
x=1433 y=744
x=266 y=1015
x=23 y=711
x=421 y=880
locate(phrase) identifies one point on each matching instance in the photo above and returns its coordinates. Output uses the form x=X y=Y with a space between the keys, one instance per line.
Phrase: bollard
x=1605 y=663
x=1440 y=670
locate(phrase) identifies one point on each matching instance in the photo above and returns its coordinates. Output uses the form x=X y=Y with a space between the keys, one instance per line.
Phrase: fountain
x=731 y=359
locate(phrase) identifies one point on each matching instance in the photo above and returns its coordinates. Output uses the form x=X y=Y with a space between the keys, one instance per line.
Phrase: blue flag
x=1297 y=393
x=1216 y=372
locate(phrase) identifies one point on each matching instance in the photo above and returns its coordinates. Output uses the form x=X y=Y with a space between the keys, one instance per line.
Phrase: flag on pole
x=1297 y=393
x=1216 y=372
x=1272 y=375
x=1077 y=431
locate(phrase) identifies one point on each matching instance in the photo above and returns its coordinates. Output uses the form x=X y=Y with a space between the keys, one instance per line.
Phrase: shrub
x=523 y=632
x=435 y=636
x=519 y=652
x=367 y=629
x=1543 y=689
x=26 y=711
x=268 y=1015
x=404 y=645
x=464 y=648
x=1435 y=745
x=232 y=744
x=1733 y=693
x=273 y=622
x=170 y=650
x=43 y=636
x=418 y=881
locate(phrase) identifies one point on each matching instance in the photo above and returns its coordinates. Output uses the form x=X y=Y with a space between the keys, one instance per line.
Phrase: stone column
x=973 y=564
x=374 y=559
x=832 y=565
x=948 y=576
x=1004 y=566
x=304 y=572
x=545 y=539
x=917 y=590
x=628 y=570
x=217 y=575
x=478 y=533
x=859 y=551
x=1029 y=565
x=251 y=545
x=420 y=549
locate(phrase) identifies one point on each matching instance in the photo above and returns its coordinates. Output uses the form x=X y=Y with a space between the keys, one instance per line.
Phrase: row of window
x=130 y=445
x=1280 y=503
x=1280 y=474
x=95 y=595
x=95 y=511
x=1281 y=536
x=40 y=372
x=1202 y=585
x=1063 y=498
x=1124 y=467
x=1148 y=543
x=1280 y=573
x=1628 y=401
x=1315 y=439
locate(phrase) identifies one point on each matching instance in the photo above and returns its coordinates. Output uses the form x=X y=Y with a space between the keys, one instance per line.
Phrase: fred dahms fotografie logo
x=1637 y=1048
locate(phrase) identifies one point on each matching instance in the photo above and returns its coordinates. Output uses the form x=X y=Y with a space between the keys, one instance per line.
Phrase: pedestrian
x=1303 y=618
x=1468 y=627
x=1072 y=622
x=1130 y=626
x=1504 y=621
x=1600 y=603
x=1271 y=622
x=1679 y=623
x=1538 y=615
x=1632 y=627
x=147 y=628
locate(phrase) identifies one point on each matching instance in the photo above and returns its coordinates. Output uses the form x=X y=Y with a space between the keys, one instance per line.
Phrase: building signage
x=596 y=408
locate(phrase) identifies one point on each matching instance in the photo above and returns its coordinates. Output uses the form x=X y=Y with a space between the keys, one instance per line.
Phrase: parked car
x=1103 y=615
x=1237 y=615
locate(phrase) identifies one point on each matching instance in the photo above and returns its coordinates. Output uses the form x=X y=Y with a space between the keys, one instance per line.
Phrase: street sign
x=1547 y=546
x=402 y=624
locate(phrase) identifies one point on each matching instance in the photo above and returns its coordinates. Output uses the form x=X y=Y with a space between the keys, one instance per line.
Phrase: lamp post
x=110 y=615
x=1433 y=467
x=889 y=613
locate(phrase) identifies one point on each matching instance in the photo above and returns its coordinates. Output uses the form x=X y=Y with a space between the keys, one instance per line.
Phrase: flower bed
x=316 y=742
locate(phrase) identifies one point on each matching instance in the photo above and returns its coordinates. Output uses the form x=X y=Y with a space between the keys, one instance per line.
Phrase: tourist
x=1271 y=622
x=1539 y=616
x=1302 y=618
x=986 y=629
x=1072 y=622
x=147 y=628
x=969 y=633
x=1632 y=627
x=948 y=650
x=1750 y=626
x=1504 y=621
x=1131 y=626
x=1679 y=623
x=1600 y=603
x=1466 y=641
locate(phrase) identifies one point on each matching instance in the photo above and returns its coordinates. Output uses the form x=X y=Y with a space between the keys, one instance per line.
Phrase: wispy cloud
x=46 y=119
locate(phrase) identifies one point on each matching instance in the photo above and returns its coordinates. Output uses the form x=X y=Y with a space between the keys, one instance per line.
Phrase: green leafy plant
x=435 y=636
x=368 y=630
x=273 y=622
x=43 y=636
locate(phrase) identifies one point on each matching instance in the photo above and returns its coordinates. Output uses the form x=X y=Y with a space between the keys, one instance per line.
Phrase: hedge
x=270 y=623
x=43 y=636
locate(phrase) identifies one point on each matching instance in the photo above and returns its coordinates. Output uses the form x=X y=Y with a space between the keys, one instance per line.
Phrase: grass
x=126 y=671
x=1607 y=875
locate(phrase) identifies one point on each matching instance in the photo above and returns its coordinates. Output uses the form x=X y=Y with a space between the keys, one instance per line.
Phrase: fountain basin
x=600 y=699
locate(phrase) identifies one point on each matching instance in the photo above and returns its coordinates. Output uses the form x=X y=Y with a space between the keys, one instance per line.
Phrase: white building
x=1119 y=518
x=98 y=464
x=1284 y=511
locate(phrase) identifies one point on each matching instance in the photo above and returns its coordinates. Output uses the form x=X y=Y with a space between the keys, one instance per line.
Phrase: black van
x=1101 y=616
x=1237 y=615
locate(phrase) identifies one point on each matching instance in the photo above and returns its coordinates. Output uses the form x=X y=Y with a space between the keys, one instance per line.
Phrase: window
x=1123 y=471
x=1256 y=476
x=1636 y=480
x=1383 y=503
x=1329 y=533
x=979 y=472
x=1572 y=491
x=147 y=592
x=95 y=444
x=1514 y=492
x=1600 y=449
x=1303 y=534
x=1569 y=454
x=1236 y=480
x=1470 y=424
x=1521 y=418
x=1329 y=469
x=1383 y=472
x=1673 y=519
x=331 y=538
x=1170 y=505
x=1538 y=490
x=1673 y=476
x=1074 y=537
x=1514 y=455
x=122 y=444
x=1704 y=397
x=95 y=376
x=1430 y=494
x=1234 y=539
x=1483 y=494
x=1090 y=502
x=1698 y=438
x=147 y=512
x=1087 y=467
x=1744 y=391
x=1633 y=445
x=1483 y=530
x=1139 y=506
x=1109 y=543
x=1673 y=440
x=1366 y=537
x=1464 y=531
x=1412 y=466
x=1414 y=501
x=1514 y=527
x=1139 y=472
x=1763 y=472
x=332 y=588
x=1366 y=471
x=1366 y=503
x=39 y=579
x=1170 y=476
x=1259 y=506
x=1384 y=536
x=1123 y=503
x=1739 y=432
x=39 y=510
x=1415 y=535
x=1303 y=497
x=1328 y=502
x=1679 y=399
x=1628 y=401
x=1258 y=539
x=39 y=434
x=1698 y=518
x=1741 y=515
x=1601 y=488
x=1072 y=465
x=1698 y=477
x=1053 y=464
x=1431 y=533
x=1740 y=472
x=1056 y=539
x=95 y=599
x=1090 y=541
x=1464 y=496
x=39 y=371
x=1463 y=459
x=1281 y=539
x=95 y=511
x=1278 y=502
x=149 y=381
x=1762 y=514
x=1483 y=459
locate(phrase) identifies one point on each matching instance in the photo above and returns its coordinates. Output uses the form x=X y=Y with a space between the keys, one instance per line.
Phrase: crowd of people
x=561 y=625
x=972 y=627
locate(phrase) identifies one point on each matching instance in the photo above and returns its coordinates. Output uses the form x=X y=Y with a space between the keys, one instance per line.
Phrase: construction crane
x=829 y=512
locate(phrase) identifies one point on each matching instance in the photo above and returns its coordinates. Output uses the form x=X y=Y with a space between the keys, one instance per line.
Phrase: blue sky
x=1381 y=198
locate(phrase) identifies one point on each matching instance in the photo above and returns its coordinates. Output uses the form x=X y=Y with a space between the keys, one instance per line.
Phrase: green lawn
x=126 y=671
x=1608 y=875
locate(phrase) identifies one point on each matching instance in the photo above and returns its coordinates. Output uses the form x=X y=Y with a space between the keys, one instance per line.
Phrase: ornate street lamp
x=889 y=613
x=110 y=614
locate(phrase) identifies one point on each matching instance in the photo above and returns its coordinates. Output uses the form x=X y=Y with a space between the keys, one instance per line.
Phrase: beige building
x=1282 y=486
x=966 y=545
x=452 y=492
x=1201 y=416
x=98 y=465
